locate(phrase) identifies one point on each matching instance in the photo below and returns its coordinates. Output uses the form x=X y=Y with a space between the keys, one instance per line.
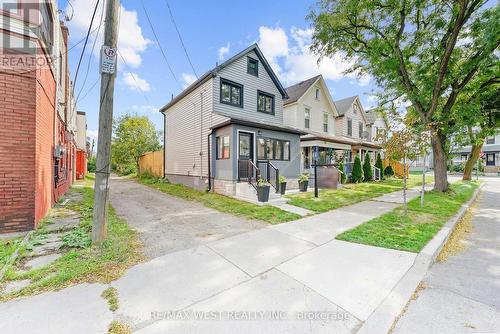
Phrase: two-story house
x=228 y=126
x=310 y=107
x=491 y=154
x=353 y=123
x=377 y=126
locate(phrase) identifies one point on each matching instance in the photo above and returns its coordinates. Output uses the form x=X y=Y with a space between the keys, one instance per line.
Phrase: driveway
x=166 y=223
x=462 y=295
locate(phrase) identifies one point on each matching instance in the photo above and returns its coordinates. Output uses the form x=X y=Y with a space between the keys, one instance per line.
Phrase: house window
x=355 y=109
x=265 y=103
x=349 y=127
x=252 y=66
x=325 y=122
x=490 y=140
x=317 y=94
x=273 y=149
x=231 y=93
x=222 y=147
x=307 y=118
x=360 y=128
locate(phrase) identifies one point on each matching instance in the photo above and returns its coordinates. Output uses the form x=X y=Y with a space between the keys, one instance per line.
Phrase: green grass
x=92 y=263
x=7 y=248
x=412 y=232
x=352 y=193
x=221 y=203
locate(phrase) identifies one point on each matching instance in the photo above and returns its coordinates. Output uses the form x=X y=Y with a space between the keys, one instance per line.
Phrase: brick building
x=37 y=113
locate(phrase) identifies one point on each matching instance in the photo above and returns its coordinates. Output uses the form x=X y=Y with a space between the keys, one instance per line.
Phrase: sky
x=212 y=31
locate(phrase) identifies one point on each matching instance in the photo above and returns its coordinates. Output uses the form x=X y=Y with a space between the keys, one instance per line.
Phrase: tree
x=380 y=165
x=133 y=136
x=367 y=169
x=357 y=172
x=342 y=172
x=426 y=52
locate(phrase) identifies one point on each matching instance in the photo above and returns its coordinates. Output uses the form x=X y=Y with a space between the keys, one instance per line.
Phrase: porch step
x=246 y=192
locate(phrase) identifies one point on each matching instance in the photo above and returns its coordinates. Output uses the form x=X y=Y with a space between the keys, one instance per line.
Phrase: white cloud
x=92 y=135
x=131 y=41
x=134 y=82
x=187 y=79
x=298 y=62
x=224 y=50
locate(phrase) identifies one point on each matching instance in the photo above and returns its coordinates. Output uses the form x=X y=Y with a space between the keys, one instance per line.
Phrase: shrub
x=388 y=171
x=304 y=177
x=91 y=165
x=342 y=174
x=379 y=165
x=367 y=169
x=357 y=172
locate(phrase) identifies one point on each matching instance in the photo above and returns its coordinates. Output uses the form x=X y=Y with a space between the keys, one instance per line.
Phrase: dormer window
x=317 y=94
x=253 y=66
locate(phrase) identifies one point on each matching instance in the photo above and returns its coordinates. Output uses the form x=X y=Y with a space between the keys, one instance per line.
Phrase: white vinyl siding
x=237 y=72
x=186 y=131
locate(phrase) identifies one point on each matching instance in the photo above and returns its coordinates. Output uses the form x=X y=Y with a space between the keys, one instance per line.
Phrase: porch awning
x=320 y=143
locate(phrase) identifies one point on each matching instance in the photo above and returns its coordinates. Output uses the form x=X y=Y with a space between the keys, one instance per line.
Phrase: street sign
x=108 y=59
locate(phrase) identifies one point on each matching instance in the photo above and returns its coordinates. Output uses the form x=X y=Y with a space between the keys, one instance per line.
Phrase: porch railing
x=377 y=174
x=270 y=173
x=248 y=171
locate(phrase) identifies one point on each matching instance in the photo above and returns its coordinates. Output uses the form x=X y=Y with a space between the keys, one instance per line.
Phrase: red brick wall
x=17 y=151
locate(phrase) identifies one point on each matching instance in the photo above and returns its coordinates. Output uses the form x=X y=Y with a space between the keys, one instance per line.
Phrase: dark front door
x=490 y=159
x=245 y=154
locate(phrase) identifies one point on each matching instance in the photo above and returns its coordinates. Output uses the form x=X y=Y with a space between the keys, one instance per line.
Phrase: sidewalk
x=281 y=271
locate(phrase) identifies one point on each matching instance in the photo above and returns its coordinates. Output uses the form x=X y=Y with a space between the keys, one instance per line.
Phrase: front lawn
x=412 y=232
x=80 y=261
x=352 y=193
x=222 y=203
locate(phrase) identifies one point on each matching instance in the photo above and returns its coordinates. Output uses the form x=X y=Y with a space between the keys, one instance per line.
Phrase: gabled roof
x=373 y=114
x=344 y=104
x=296 y=91
x=213 y=72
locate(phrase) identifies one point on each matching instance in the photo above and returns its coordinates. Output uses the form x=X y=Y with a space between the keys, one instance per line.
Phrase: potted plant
x=282 y=181
x=303 y=182
x=263 y=190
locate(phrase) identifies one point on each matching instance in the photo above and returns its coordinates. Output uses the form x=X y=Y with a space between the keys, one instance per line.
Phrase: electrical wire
x=180 y=38
x=159 y=44
x=135 y=80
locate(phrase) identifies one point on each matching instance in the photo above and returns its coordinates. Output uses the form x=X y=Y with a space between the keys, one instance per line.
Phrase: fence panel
x=152 y=163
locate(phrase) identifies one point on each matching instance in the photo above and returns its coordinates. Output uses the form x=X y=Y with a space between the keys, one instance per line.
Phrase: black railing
x=270 y=173
x=248 y=171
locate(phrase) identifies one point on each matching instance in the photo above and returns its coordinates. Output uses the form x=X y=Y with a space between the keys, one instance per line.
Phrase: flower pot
x=303 y=186
x=282 y=188
x=263 y=193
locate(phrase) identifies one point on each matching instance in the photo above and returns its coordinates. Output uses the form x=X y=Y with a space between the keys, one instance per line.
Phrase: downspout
x=164 y=170
x=209 y=162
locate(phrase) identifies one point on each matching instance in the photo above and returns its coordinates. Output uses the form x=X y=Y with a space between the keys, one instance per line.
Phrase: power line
x=159 y=44
x=180 y=38
x=87 y=92
x=85 y=45
x=135 y=80
x=91 y=53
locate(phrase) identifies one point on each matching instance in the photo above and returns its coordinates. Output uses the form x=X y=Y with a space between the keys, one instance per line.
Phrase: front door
x=490 y=159
x=245 y=153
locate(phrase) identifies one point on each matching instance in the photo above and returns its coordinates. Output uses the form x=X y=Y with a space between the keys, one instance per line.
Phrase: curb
x=381 y=320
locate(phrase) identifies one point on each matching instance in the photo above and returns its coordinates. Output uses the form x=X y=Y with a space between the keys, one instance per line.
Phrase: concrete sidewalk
x=288 y=278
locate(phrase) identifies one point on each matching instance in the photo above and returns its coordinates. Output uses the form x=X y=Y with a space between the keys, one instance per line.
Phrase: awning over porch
x=320 y=143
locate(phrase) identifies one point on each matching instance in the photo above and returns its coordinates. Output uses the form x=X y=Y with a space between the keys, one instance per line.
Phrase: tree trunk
x=438 y=141
x=472 y=160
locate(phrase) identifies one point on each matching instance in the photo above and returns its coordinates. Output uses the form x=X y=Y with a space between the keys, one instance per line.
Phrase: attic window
x=355 y=109
x=252 y=66
x=317 y=93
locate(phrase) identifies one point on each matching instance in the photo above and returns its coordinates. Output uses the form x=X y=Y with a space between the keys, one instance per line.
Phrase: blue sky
x=212 y=31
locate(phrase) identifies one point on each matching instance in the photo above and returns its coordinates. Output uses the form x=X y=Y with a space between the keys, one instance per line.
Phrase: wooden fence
x=397 y=167
x=152 y=163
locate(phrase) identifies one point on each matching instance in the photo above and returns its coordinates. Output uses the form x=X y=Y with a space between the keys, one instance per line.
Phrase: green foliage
x=304 y=177
x=343 y=177
x=380 y=165
x=91 y=165
x=413 y=231
x=133 y=136
x=357 y=172
x=282 y=179
x=367 y=169
x=388 y=171
x=262 y=183
x=78 y=238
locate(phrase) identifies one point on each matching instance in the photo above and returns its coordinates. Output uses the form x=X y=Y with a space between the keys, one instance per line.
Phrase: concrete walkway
x=462 y=295
x=166 y=223
x=288 y=278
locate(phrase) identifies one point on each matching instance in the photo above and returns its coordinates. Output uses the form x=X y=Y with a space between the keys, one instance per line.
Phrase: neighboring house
x=353 y=123
x=37 y=116
x=310 y=108
x=491 y=151
x=81 y=145
x=377 y=126
x=228 y=123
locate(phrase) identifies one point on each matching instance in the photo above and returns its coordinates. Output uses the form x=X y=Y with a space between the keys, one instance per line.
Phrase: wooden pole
x=103 y=157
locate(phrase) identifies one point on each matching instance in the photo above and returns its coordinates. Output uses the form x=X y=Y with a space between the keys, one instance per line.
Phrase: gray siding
x=237 y=72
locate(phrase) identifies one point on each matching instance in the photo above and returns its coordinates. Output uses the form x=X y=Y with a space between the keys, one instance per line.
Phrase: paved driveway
x=167 y=223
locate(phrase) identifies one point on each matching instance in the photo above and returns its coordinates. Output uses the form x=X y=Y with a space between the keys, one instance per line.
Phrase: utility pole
x=103 y=157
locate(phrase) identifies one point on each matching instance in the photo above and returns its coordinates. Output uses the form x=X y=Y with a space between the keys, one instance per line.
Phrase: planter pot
x=282 y=188
x=263 y=193
x=303 y=186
